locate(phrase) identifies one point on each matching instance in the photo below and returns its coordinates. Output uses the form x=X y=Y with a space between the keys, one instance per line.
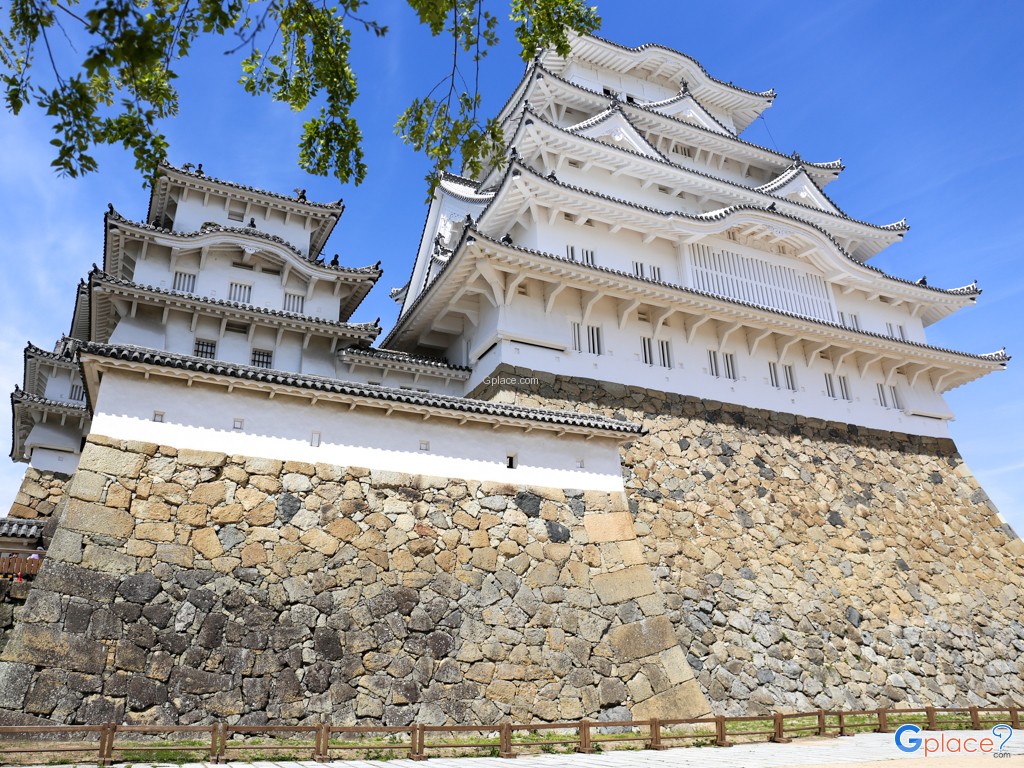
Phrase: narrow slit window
x=844 y=388
x=511 y=461
x=594 y=343
x=773 y=374
x=883 y=400
x=655 y=273
x=638 y=269
x=895 y=399
x=790 y=376
x=294 y=302
x=588 y=257
x=646 y=353
x=665 y=353
x=184 y=282
x=77 y=392
x=240 y=292
x=577 y=337
x=729 y=362
x=713 y=363
x=570 y=252
x=830 y=385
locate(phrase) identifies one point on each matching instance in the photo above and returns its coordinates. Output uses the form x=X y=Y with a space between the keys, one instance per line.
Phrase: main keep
x=650 y=437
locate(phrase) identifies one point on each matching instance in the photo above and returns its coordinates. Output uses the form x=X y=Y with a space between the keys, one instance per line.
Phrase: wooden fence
x=20 y=566
x=221 y=743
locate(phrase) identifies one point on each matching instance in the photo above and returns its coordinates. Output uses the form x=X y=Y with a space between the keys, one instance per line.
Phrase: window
x=588 y=257
x=830 y=385
x=570 y=252
x=241 y=265
x=238 y=425
x=77 y=392
x=205 y=348
x=850 y=320
x=236 y=328
x=655 y=273
x=890 y=329
x=314 y=439
x=789 y=376
x=511 y=461
x=158 y=417
x=236 y=211
x=665 y=353
x=240 y=292
x=882 y=399
x=895 y=399
x=713 y=363
x=638 y=269
x=902 y=332
x=591 y=334
x=294 y=302
x=729 y=361
x=844 y=388
x=424 y=445
x=646 y=354
x=262 y=358
x=773 y=375
x=184 y=282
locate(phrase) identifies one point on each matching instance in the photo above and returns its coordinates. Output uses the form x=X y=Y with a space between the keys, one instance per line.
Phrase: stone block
x=47 y=647
x=641 y=638
x=194 y=458
x=210 y=494
x=107 y=560
x=70 y=579
x=66 y=546
x=86 y=517
x=320 y=541
x=14 y=681
x=680 y=701
x=111 y=461
x=155 y=532
x=175 y=554
x=205 y=542
x=613 y=526
x=87 y=486
x=626 y=584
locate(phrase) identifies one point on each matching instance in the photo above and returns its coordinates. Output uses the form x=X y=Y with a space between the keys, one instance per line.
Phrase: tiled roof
x=373 y=329
x=374 y=269
x=766 y=189
x=370 y=391
x=999 y=355
x=338 y=206
x=832 y=165
x=17 y=528
x=723 y=213
x=684 y=93
x=768 y=95
x=404 y=357
x=21 y=396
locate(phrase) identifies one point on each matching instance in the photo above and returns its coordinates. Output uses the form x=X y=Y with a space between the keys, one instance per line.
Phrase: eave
x=485 y=268
x=108 y=292
x=27 y=410
x=97 y=358
x=403 y=362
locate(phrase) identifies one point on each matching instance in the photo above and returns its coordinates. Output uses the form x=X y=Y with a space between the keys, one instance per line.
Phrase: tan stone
x=194 y=458
x=210 y=494
x=320 y=541
x=152 y=510
x=680 y=701
x=613 y=526
x=175 y=554
x=110 y=461
x=87 y=486
x=138 y=548
x=486 y=558
x=264 y=514
x=118 y=496
x=205 y=542
x=93 y=518
x=192 y=514
x=641 y=638
x=155 y=531
x=253 y=554
x=626 y=584
x=250 y=498
x=343 y=529
x=257 y=466
x=229 y=513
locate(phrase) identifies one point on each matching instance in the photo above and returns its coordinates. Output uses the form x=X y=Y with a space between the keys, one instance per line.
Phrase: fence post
x=655 y=734
x=1015 y=718
x=417 y=753
x=505 y=741
x=322 y=737
x=222 y=747
x=975 y=719
x=584 y=747
x=101 y=756
x=930 y=711
x=822 y=731
x=720 y=740
x=883 y=721
x=779 y=737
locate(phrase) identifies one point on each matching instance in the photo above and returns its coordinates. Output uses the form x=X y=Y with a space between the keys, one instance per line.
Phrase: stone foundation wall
x=810 y=564
x=39 y=495
x=183 y=586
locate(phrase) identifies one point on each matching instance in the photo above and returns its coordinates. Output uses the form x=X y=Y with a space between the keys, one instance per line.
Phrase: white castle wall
x=203 y=417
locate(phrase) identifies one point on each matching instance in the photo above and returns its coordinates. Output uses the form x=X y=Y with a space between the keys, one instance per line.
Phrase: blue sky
x=922 y=102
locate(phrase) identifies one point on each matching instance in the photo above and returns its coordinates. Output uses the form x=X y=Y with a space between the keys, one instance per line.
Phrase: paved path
x=867 y=750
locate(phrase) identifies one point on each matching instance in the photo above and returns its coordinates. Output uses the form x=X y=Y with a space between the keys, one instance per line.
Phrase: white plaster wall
x=203 y=417
x=59 y=383
x=191 y=214
x=55 y=437
x=46 y=460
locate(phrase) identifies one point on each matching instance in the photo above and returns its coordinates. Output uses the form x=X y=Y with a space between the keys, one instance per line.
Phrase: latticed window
x=713 y=363
x=844 y=388
x=830 y=385
x=240 y=292
x=205 y=348
x=294 y=302
x=588 y=334
x=646 y=352
x=263 y=358
x=77 y=392
x=773 y=374
x=790 y=377
x=665 y=353
x=588 y=257
x=729 y=362
x=185 y=282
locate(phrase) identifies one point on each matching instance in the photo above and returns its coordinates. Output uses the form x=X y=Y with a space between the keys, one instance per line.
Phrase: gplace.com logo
x=907 y=740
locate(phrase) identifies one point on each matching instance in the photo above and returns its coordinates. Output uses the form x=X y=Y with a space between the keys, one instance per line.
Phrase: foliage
x=296 y=51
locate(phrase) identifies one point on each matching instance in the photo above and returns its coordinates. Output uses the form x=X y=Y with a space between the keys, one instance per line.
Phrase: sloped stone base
x=809 y=564
x=183 y=586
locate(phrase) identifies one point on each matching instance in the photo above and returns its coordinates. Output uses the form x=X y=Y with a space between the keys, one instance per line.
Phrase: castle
x=650 y=437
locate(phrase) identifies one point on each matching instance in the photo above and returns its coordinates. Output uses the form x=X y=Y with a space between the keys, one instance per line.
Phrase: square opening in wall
x=238 y=425
x=511 y=461
x=424 y=445
x=314 y=440
x=158 y=417
x=580 y=464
